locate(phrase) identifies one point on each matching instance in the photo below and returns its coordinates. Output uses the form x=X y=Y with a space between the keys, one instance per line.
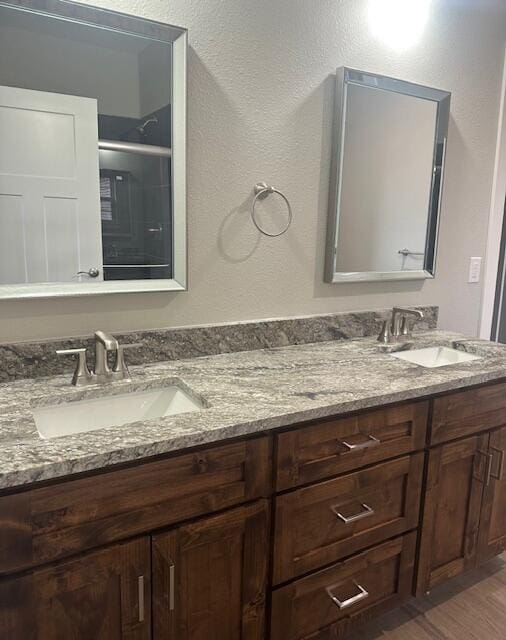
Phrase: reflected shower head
x=142 y=127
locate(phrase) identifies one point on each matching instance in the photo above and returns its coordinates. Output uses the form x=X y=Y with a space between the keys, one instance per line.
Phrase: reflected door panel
x=49 y=201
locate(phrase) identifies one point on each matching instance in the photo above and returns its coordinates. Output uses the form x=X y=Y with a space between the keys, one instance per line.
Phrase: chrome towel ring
x=262 y=190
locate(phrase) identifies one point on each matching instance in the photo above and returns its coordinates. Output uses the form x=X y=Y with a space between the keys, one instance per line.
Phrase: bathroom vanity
x=320 y=486
x=286 y=493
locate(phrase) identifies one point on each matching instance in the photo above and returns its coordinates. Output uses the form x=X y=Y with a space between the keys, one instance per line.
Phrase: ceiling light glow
x=398 y=23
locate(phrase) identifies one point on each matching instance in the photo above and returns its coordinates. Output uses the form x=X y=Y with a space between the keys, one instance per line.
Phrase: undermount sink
x=432 y=357
x=90 y=414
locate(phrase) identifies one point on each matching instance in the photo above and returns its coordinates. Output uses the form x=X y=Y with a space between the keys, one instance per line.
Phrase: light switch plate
x=474 y=270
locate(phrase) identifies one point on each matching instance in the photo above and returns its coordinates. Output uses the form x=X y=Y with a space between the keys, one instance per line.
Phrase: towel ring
x=262 y=190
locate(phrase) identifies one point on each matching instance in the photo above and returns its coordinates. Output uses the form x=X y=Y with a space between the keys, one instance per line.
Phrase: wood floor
x=470 y=607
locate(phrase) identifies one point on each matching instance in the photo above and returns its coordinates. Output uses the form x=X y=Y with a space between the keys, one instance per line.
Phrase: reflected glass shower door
x=135 y=198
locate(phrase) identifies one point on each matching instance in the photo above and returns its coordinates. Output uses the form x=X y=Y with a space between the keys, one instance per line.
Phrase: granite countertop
x=243 y=393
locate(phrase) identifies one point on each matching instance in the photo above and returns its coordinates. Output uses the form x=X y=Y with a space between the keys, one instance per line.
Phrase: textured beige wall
x=260 y=108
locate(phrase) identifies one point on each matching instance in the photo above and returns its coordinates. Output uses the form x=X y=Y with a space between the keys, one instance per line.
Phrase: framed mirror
x=387 y=178
x=93 y=151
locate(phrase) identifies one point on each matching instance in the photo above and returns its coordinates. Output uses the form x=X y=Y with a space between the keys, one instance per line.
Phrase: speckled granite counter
x=244 y=393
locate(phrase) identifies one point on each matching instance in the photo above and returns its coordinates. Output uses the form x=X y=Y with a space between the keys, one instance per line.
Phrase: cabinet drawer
x=327 y=604
x=44 y=524
x=320 y=524
x=468 y=412
x=336 y=446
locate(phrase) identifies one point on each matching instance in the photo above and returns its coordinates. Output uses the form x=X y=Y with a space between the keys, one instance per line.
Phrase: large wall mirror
x=388 y=161
x=92 y=152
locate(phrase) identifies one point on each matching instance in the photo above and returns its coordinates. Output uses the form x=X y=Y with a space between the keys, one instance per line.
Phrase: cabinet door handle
x=488 y=470
x=500 y=473
x=368 y=444
x=172 y=580
x=167 y=572
x=367 y=511
x=140 y=586
x=344 y=604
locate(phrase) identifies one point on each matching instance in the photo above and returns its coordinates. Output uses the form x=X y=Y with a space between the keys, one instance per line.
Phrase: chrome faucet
x=400 y=321
x=399 y=328
x=104 y=343
x=103 y=374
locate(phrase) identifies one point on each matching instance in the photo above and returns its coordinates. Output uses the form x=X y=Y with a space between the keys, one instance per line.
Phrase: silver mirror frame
x=344 y=77
x=178 y=38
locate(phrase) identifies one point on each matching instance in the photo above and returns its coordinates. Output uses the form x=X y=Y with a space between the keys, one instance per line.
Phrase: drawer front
x=468 y=412
x=312 y=453
x=318 y=525
x=41 y=525
x=328 y=604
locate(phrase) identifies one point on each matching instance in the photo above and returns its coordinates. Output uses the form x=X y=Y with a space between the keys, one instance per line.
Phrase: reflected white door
x=50 y=226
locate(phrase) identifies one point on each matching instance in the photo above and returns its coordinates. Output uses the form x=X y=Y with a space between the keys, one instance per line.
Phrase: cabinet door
x=493 y=513
x=209 y=577
x=104 y=595
x=455 y=481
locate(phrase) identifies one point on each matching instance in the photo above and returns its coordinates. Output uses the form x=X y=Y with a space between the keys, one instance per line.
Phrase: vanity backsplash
x=37 y=359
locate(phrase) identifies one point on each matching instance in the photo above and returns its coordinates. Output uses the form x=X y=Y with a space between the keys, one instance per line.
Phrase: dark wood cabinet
x=49 y=523
x=209 y=582
x=209 y=577
x=453 y=498
x=464 y=517
x=492 y=539
x=180 y=548
x=103 y=595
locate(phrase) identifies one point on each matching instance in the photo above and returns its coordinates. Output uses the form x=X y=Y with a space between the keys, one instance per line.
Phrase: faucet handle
x=120 y=369
x=82 y=374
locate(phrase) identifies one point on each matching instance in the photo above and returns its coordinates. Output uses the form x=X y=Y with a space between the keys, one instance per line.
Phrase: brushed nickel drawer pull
x=500 y=473
x=367 y=511
x=140 y=586
x=344 y=604
x=368 y=444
